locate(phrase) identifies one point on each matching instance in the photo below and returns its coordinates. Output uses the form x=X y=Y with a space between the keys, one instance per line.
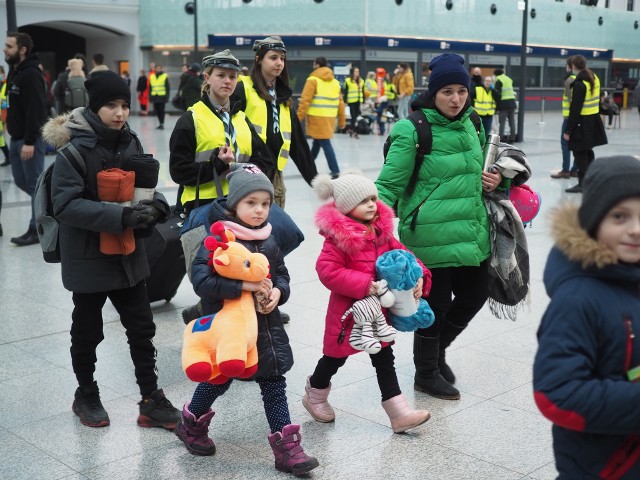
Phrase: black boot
x=448 y=335
x=28 y=238
x=428 y=378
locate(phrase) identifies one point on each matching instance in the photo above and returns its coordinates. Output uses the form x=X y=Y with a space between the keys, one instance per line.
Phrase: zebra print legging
x=274 y=398
x=382 y=361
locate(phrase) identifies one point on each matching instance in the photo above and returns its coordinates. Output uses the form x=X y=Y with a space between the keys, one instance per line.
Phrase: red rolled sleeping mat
x=116 y=186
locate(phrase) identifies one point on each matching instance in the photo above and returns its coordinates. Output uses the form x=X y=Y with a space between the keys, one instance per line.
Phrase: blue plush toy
x=401 y=270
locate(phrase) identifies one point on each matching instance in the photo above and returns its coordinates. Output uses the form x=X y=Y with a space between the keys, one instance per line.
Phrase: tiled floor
x=494 y=432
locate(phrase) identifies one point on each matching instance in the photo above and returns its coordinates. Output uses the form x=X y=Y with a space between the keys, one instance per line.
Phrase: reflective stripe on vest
x=484 y=103
x=390 y=90
x=591 y=103
x=566 y=101
x=256 y=111
x=354 y=91
x=209 y=136
x=507 y=87
x=158 y=85
x=327 y=98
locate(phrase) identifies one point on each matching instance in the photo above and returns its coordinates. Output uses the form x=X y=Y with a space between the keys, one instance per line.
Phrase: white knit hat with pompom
x=348 y=190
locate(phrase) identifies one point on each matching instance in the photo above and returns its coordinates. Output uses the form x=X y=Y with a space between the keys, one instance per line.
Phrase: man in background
x=26 y=113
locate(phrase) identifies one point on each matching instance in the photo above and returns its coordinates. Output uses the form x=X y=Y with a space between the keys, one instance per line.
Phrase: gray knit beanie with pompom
x=348 y=190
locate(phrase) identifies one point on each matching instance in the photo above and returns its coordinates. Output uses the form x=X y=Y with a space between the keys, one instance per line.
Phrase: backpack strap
x=423 y=147
x=71 y=154
x=477 y=122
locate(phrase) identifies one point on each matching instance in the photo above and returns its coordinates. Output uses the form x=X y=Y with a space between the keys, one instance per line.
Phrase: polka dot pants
x=274 y=398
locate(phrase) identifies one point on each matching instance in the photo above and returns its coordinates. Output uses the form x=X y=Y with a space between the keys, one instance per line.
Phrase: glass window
x=533 y=75
x=630 y=5
x=555 y=77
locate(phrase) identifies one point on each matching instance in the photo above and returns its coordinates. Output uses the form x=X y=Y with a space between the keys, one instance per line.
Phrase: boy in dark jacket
x=587 y=367
x=102 y=137
x=245 y=212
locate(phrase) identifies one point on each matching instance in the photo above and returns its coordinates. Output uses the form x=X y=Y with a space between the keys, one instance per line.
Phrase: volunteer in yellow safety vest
x=204 y=141
x=354 y=94
x=320 y=103
x=265 y=98
x=565 y=172
x=159 y=90
x=505 y=105
x=483 y=98
x=584 y=129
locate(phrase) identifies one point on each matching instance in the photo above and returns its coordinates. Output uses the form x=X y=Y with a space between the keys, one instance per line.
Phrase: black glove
x=137 y=216
x=154 y=212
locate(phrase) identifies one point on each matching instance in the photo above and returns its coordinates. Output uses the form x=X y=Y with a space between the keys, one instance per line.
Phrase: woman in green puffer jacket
x=444 y=220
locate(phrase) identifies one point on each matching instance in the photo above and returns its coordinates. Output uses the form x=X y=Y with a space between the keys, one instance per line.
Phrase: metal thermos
x=491 y=150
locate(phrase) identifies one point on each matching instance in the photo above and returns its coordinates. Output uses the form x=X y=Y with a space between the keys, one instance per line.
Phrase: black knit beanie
x=608 y=181
x=447 y=69
x=104 y=87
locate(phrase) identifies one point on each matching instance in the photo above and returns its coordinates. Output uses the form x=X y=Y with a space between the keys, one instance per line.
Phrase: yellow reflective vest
x=390 y=91
x=591 y=104
x=256 y=111
x=326 y=101
x=507 y=87
x=354 y=91
x=484 y=103
x=209 y=136
x=158 y=84
x=372 y=87
x=566 y=99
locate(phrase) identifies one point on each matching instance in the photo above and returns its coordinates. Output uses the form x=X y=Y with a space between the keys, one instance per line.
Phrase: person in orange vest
x=142 y=88
x=321 y=103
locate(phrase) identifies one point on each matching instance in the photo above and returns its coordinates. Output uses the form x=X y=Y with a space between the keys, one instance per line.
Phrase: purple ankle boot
x=194 y=432
x=289 y=455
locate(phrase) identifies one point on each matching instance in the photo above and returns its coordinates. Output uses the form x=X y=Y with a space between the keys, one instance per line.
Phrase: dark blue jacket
x=586 y=346
x=274 y=352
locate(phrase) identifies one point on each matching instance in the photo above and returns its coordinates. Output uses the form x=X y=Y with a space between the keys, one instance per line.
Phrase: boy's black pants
x=135 y=314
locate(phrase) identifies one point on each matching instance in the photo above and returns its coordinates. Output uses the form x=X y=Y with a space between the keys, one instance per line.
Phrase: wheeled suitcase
x=166 y=260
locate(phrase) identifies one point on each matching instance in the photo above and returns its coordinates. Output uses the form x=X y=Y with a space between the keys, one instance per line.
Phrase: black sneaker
x=156 y=411
x=88 y=407
x=284 y=317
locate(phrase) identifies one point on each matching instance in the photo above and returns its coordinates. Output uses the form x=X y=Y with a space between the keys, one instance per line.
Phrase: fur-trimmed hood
x=87 y=130
x=574 y=241
x=577 y=255
x=349 y=235
x=58 y=130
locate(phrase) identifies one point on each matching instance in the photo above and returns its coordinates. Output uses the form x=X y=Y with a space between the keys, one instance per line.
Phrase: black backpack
x=425 y=141
x=46 y=222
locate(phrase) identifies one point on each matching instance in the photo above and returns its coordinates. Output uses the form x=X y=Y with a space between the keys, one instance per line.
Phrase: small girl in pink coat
x=357 y=229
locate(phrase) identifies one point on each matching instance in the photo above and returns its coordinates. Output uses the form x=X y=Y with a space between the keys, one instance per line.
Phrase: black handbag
x=178 y=102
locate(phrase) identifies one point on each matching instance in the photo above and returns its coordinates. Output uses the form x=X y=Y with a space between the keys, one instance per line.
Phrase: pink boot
x=402 y=416
x=194 y=432
x=289 y=455
x=315 y=401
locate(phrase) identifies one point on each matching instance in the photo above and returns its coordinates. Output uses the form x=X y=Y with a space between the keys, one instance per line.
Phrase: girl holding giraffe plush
x=245 y=212
x=358 y=228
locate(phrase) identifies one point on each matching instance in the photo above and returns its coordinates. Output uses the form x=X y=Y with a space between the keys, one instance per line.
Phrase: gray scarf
x=509 y=261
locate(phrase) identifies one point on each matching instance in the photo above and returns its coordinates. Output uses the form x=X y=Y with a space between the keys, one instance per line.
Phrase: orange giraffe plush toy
x=223 y=345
